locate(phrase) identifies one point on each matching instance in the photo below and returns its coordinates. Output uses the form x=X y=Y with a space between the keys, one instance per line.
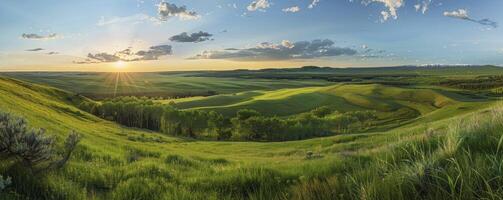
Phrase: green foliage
x=4 y=182
x=247 y=125
x=18 y=142
x=307 y=125
x=246 y=114
x=322 y=111
x=31 y=147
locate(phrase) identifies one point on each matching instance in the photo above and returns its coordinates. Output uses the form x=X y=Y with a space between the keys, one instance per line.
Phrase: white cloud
x=287 y=44
x=460 y=13
x=293 y=9
x=463 y=14
x=423 y=6
x=391 y=5
x=167 y=10
x=258 y=5
x=313 y=4
x=133 y=19
x=385 y=16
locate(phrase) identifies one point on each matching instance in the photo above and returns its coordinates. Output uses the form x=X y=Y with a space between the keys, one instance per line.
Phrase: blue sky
x=148 y=35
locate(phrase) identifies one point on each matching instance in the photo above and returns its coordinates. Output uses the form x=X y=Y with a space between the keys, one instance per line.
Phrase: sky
x=174 y=35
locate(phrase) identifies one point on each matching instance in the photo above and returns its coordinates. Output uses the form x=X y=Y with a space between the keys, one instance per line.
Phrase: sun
x=120 y=65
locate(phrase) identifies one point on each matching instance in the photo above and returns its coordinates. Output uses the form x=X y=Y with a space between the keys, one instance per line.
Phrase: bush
x=30 y=147
x=4 y=182
x=17 y=142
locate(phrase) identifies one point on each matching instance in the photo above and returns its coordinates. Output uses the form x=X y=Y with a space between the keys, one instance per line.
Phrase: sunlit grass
x=418 y=161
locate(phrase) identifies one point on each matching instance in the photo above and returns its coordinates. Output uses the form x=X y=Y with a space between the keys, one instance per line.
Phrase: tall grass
x=464 y=163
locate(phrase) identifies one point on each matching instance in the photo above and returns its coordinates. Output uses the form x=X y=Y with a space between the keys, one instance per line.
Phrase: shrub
x=4 y=182
x=31 y=147
x=27 y=146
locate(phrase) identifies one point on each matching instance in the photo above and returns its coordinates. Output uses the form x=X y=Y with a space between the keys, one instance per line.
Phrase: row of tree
x=250 y=125
x=246 y=125
x=128 y=111
x=477 y=83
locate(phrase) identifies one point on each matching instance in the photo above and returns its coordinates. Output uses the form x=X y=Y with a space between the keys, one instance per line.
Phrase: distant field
x=104 y=85
x=208 y=83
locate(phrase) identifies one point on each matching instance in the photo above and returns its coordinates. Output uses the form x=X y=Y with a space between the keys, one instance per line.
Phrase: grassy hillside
x=394 y=105
x=114 y=162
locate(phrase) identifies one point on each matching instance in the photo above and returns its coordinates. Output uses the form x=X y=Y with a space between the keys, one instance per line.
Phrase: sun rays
x=122 y=83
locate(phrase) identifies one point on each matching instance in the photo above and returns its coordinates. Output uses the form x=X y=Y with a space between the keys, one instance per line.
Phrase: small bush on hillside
x=4 y=182
x=31 y=147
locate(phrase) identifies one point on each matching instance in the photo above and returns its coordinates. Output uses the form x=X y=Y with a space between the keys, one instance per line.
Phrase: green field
x=434 y=142
x=106 y=85
x=344 y=97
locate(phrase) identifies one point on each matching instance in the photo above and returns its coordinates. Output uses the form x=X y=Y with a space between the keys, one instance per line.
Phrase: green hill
x=394 y=105
x=115 y=162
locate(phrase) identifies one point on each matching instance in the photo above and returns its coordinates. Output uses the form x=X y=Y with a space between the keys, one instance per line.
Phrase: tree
x=244 y=114
x=322 y=111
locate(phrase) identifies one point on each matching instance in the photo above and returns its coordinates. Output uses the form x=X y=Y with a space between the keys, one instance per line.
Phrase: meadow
x=431 y=140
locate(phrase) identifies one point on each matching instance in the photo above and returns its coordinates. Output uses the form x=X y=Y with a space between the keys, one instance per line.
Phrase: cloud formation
x=423 y=6
x=194 y=37
x=35 y=49
x=463 y=14
x=293 y=9
x=127 y=55
x=133 y=19
x=313 y=4
x=285 y=51
x=258 y=5
x=167 y=10
x=154 y=52
x=391 y=5
x=34 y=36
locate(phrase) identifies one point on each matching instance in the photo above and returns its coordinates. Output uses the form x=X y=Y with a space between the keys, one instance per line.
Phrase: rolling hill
x=115 y=162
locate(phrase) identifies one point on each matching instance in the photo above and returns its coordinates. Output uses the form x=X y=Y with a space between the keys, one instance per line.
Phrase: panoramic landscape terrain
x=146 y=100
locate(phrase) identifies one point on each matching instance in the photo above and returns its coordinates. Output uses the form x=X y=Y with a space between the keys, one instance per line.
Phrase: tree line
x=475 y=83
x=248 y=125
